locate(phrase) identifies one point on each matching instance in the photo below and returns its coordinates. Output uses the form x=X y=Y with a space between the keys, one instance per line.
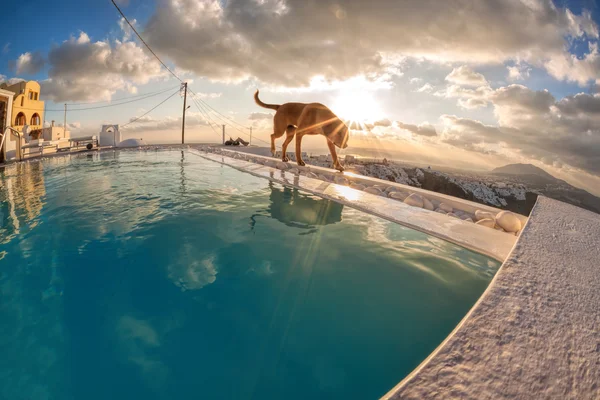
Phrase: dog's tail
x=265 y=105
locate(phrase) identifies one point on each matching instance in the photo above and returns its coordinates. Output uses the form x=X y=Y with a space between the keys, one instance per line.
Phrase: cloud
x=518 y=72
x=257 y=116
x=6 y=48
x=9 y=81
x=28 y=63
x=424 y=129
x=81 y=69
x=415 y=81
x=582 y=70
x=383 y=122
x=426 y=88
x=286 y=43
x=465 y=76
x=148 y=123
x=534 y=125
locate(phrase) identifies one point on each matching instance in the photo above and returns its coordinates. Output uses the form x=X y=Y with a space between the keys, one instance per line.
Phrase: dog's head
x=338 y=133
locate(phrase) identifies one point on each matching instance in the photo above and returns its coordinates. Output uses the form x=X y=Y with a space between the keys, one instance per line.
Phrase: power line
x=145 y=96
x=148 y=112
x=209 y=106
x=206 y=117
x=146 y=44
x=122 y=98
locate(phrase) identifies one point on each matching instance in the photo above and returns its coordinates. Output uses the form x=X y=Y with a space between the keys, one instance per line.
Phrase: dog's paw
x=285 y=159
x=339 y=167
x=301 y=163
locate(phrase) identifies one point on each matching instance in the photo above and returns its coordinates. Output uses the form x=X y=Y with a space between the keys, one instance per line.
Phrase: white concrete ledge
x=490 y=242
x=535 y=332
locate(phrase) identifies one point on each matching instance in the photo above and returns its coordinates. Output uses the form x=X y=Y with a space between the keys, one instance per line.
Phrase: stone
x=373 y=190
x=439 y=210
x=468 y=219
x=453 y=215
x=391 y=189
x=479 y=215
x=380 y=187
x=428 y=205
x=282 y=165
x=295 y=171
x=488 y=222
x=323 y=177
x=398 y=195
x=414 y=200
x=446 y=207
x=508 y=221
x=499 y=228
x=357 y=186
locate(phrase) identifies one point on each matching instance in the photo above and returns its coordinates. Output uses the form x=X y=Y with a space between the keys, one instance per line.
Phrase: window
x=30 y=95
x=22 y=100
x=20 y=120
x=36 y=96
x=35 y=119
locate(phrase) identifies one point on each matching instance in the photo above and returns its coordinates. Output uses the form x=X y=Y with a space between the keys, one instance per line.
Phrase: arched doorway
x=20 y=120
x=35 y=119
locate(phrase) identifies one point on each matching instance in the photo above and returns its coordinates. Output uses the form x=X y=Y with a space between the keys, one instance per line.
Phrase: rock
x=373 y=190
x=468 y=219
x=479 y=215
x=439 y=210
x=490 y=223
x=508 y=221
x=357 y=186
x=282 y=165
x=380 y=187
x=428 y=205
x=445 y=207
x=453 y=215
x=398 y=195
x=391 y=189
x=414 y=200
x=295 y=171
x=499 y=228
x=323 y=177
x=311 y=175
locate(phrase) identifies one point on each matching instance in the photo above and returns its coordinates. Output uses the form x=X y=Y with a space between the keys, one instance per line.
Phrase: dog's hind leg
x=290 y=132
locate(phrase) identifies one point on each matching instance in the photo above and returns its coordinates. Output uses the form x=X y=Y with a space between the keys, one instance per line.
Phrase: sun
x=357 y=106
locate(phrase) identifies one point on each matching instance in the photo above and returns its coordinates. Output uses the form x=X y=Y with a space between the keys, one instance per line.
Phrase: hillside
x=521 y=169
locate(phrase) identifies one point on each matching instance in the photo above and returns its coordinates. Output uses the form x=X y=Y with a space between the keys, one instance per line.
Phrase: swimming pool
x=162 y=275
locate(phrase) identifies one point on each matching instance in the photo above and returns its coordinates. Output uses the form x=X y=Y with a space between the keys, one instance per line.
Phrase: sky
x=459 y=83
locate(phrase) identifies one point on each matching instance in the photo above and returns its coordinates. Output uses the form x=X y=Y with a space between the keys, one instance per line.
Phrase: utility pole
x=223 y=134
x=184 y=108
x=250 y=136
x=65 y=123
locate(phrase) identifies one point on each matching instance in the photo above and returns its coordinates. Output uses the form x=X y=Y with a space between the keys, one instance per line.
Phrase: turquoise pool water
x=161 y=275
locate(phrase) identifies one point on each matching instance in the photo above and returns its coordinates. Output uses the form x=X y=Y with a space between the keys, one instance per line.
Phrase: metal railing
x=17 y=134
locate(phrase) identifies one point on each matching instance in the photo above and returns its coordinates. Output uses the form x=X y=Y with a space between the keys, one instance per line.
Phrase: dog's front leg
x=334 y=157
x=299 y=159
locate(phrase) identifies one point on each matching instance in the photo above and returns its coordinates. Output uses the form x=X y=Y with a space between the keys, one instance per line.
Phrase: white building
x=10 y=146
x=55 y=133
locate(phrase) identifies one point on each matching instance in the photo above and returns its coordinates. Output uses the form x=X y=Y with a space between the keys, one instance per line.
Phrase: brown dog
x=299 y=119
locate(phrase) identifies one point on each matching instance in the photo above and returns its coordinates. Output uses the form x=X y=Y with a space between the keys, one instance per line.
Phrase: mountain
x=522 y=169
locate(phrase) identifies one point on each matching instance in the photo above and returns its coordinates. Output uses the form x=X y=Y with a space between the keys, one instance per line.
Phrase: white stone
x=373 y=190
x=282 y=165
x=439 y=210
x=428 y=205
x=479 y=215
x=398 y=195
x=391 y=189
x=357 y=186
x=468 y=219
x=414 y=200
x=453 y=215
x=508 y=221
x=446 y=207
x=490 y=223
x=499 y=228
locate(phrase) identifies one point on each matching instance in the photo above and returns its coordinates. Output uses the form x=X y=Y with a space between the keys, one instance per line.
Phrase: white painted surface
x=11 y=142
x=484 y=240
x=535 y=332
x=110 y=135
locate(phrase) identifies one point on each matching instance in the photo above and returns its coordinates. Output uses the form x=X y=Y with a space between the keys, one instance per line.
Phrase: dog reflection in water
x=300 y=210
